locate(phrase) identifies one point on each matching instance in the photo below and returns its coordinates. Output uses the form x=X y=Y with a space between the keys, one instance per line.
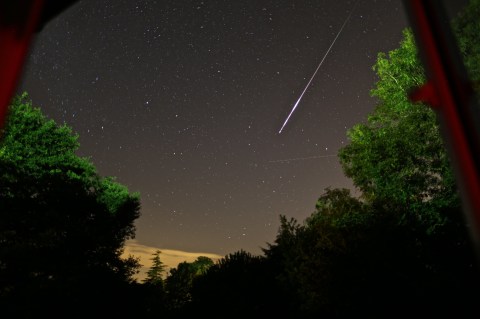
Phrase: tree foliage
x=466 y=27
x=398 y=155
x=237 y=286
x=180 y=280
x=318 y=262
x=404 y=244
x=155 y=273
x=62 y=226
x=400 y=248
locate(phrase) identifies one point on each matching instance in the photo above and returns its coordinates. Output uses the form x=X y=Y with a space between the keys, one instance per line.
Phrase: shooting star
x=301 y=158
x=318 y=67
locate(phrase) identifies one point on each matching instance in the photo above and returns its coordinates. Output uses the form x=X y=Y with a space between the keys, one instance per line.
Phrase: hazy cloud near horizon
x=170 y=258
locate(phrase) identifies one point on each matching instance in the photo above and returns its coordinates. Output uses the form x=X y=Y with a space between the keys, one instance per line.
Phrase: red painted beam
x=450 y=91
x=18 y=21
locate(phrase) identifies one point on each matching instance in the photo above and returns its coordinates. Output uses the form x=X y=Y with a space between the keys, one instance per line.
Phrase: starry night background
x=182 y=102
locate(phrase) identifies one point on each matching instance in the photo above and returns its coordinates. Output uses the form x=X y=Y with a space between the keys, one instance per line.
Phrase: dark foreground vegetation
x=400 y=250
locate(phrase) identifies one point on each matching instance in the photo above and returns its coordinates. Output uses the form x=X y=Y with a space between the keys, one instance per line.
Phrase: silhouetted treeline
x=62 y=226
x=401 y=249
x=349 y=259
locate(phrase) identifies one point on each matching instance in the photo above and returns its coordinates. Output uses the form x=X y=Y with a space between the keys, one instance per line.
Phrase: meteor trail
x=318 y=67
x=301 y=158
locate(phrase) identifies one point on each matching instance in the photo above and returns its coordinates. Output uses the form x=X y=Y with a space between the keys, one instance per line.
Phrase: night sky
x=182 y=101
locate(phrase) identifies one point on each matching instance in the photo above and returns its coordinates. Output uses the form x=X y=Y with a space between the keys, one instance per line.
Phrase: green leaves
x=398 y=72
x=62 y=226
x=466 y=27
x=406 y=231
x=114 y=195
x=155 y=273
x=38 y=147
x=398 y=156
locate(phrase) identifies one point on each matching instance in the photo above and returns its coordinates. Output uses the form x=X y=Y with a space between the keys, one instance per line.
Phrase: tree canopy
x=402 y=247
x=398 y=155
x=155 y=273
x=404 y=244
x=62 y=226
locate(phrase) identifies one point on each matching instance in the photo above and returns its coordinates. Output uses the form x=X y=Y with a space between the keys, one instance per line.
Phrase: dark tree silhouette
x=155 y=273
x=62 y=226
x=239 y=285
x=404 y=245
x=180 y=280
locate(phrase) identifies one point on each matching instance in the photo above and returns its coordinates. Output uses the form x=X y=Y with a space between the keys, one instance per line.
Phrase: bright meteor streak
x=318 y=67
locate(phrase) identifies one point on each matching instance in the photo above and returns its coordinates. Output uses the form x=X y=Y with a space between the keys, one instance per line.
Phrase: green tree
x=179 y=282
x=62 y=226
x=154 y=300
x=398 y=155
x=155 y=273
x=398 y=161
x=466 y=27
x=201 y=265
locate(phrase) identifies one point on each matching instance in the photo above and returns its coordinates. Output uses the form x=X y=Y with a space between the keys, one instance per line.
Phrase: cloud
x=170 y=258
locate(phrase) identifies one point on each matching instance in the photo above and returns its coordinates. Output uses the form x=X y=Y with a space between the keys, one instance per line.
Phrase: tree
x=178 y=285
x=398 y=156
x=155 y=273
x=180 y=280
x=201 y=265
x=239 y=285
x=466 y=27
x=154 y=299
x=398 y=161
x=317 y=261
x=62 y=226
